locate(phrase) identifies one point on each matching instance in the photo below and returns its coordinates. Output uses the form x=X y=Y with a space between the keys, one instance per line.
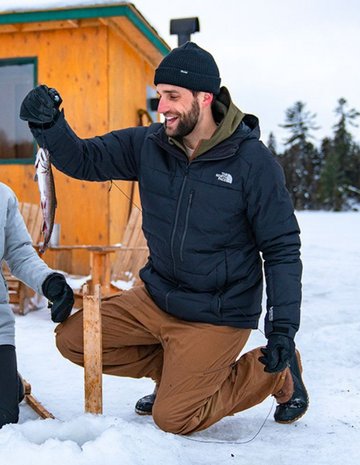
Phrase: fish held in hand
x=45 y=180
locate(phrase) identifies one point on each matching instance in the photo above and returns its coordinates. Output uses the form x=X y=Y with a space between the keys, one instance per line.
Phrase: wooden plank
x=33 y=402
x=32 y=222
x=135 y=255
x=38 y=407
x=49 y=25
x=25 y=208
x=100 y=269
x=92 y=350
x=38 y=220
x=6 y=28
x=33 y=219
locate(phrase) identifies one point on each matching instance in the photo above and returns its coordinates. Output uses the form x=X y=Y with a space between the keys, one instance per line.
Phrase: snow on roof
x=34 y=5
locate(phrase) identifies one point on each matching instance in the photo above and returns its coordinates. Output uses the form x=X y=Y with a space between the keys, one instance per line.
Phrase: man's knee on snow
x=170 y=420
x=163 y=419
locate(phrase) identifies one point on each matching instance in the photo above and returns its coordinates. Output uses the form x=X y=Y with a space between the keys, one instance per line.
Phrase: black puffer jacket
x=206 y=221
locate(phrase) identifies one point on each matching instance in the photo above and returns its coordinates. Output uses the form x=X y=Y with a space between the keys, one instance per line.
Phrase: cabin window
x=17 y=77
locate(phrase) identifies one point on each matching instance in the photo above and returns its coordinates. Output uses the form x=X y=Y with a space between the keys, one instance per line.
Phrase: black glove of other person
x=41 y=106
x=277 y=353
x=61 y=296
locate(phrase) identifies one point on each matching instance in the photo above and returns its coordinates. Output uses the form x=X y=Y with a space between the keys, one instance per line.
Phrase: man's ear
x=207 y=99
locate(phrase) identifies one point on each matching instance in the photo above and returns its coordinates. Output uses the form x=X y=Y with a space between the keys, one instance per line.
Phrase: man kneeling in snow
x=213 y=199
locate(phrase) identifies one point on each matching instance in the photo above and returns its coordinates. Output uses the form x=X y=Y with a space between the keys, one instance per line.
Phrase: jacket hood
x=227 y=116
x=229 y=120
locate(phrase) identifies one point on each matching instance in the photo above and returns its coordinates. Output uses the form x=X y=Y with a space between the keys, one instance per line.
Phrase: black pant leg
x=9 y=386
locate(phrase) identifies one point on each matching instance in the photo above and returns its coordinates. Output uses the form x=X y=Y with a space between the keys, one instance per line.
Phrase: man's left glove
x=61 y=296
x=277 y=353
x=41 y=106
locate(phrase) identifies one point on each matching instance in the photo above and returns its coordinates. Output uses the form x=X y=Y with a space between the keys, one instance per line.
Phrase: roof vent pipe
x=183 y=27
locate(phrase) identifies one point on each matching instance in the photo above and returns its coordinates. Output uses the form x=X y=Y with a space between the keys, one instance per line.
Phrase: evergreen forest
x=323 y=177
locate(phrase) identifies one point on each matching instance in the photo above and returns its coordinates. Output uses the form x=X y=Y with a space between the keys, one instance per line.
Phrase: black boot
x=296 y=407
x=21 y=388
x=145 y=404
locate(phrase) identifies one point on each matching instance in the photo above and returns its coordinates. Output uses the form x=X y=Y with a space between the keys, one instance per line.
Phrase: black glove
x=61 y=296
x=277 y=354
x=41 y=106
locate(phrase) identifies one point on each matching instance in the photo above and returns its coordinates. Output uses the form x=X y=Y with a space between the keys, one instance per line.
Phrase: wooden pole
x=92 y=350
x=100 y=269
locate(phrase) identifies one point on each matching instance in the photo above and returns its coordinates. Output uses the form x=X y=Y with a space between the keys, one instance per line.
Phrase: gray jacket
x=24 y=263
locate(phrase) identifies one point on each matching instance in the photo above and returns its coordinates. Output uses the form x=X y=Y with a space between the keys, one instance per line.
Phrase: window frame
x=21 y=61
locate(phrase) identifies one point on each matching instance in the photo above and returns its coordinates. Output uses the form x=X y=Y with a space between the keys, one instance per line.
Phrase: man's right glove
x=277 y=353
x=41 y=106
x=60 y=295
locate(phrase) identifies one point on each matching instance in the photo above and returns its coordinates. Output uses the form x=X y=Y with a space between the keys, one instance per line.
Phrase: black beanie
x=191 y=67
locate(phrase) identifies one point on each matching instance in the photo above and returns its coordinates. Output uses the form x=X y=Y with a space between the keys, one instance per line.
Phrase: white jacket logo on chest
x=225 y=177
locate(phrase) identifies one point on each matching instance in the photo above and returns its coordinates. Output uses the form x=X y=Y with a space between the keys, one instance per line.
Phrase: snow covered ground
x=329 y=341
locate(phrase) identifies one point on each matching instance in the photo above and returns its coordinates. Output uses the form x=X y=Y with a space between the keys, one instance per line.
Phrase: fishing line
x=210 y=441
x=112 y=182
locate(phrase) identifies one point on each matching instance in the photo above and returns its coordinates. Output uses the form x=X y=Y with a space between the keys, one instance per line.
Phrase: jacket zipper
x=176 y=219
x=186 y=225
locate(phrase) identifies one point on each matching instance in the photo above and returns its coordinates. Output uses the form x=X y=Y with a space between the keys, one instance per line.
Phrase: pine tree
x=271 y=144
x=301 y=161
x=330 y=195
x=340 y=176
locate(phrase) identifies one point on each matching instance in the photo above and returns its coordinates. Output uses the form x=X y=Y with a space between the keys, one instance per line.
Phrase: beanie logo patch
x=184 y=71
x=225 y=177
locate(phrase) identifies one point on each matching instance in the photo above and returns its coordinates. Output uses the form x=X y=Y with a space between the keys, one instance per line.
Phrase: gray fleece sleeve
x=19 y=254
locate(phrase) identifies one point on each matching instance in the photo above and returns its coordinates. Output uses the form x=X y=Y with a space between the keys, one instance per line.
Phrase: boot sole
x=288 y=422
x=142 y=412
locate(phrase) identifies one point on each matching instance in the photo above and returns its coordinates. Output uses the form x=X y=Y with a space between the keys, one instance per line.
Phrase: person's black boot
x=295 y=408
x=21 y=388
x=24 y=388
x=145 y=404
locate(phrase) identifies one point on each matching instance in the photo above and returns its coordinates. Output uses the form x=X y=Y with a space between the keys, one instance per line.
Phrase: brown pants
x=200 y=380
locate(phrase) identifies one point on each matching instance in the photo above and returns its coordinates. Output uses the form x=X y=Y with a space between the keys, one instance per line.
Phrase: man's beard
x=186 y=121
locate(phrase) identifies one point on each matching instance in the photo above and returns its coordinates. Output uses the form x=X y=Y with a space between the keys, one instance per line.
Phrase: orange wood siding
x=102 y=80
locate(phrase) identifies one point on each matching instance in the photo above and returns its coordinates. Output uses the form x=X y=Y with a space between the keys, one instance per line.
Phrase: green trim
x=18 y=61
x=17 y=161
x=86 y=13
x=21 y=61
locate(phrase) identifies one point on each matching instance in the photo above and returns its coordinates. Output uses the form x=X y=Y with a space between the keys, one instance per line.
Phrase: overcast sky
x=271 y=53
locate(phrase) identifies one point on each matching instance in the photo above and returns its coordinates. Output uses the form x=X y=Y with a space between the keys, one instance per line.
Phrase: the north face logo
x=225 y=177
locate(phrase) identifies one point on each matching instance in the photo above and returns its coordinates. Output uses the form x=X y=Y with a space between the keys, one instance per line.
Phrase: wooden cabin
x=102 y=60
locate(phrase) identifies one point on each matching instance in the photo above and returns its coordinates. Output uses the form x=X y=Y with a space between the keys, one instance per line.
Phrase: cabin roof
x=112 y=14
